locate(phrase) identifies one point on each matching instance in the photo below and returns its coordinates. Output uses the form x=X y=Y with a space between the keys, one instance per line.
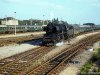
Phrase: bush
x=86 y=67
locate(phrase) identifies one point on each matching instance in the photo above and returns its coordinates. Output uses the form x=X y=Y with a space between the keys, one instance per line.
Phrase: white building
x=9 y=22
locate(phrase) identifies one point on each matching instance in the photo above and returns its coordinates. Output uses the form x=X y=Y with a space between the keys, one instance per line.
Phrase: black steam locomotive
x=57 y=31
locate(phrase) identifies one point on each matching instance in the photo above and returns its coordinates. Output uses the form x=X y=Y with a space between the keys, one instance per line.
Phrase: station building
x=9 y=21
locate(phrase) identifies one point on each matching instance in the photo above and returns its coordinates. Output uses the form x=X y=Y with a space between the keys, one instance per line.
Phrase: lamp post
x=15 y=23
x=31 y=21
x=43 y=19
x=6 y=20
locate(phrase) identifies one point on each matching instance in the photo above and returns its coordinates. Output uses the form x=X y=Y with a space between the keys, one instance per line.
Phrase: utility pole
x=43 y=19
x=15 y=23
x=31 y=21
x=6 y=20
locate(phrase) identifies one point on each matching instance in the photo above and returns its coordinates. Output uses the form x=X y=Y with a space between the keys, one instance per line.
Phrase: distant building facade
x=9 y=21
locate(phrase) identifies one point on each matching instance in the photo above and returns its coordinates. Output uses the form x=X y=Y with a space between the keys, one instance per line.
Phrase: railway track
x=27 y=63
x=56 y=70
x=60 y=67
x=52 y=66
x=20 y=39
x=20 y=62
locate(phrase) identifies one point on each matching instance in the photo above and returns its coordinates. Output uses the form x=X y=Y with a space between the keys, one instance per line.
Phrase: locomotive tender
x=58 y=31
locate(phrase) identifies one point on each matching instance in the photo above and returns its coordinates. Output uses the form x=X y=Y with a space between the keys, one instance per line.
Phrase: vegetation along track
x=54 y=65
x=15 y=64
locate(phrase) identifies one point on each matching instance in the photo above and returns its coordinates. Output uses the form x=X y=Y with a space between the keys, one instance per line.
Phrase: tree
x=91 y=24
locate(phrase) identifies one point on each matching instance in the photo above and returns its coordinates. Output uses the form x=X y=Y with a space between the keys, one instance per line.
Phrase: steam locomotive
x=58 y=31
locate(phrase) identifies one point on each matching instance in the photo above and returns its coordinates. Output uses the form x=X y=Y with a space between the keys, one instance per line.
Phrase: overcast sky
x=72 y=11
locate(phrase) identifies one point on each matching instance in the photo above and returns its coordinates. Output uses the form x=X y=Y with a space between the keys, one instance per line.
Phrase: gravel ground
x=59 y=49
x=11 y=39
x=15 y=49
x=82 y=58
x=20 y=34
x=74 y=68
x=7 y=51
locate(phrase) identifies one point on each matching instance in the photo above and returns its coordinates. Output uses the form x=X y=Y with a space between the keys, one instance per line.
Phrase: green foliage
x=98 y=51
x=96 y=56
x=92 y=24
x=86 y=67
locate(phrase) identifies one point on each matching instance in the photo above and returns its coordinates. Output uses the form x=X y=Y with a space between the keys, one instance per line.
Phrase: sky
x=72 y=11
